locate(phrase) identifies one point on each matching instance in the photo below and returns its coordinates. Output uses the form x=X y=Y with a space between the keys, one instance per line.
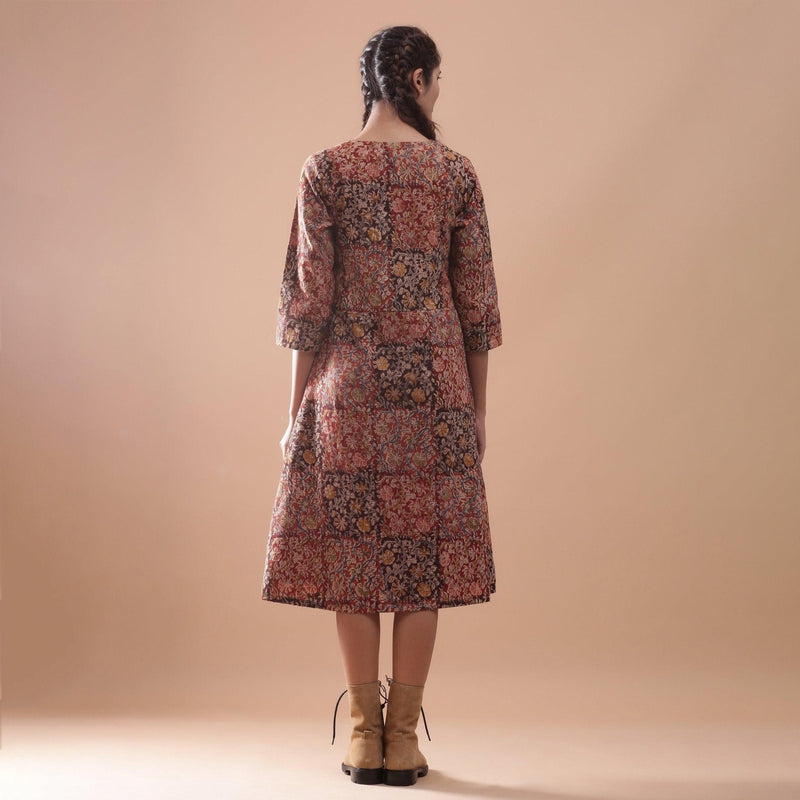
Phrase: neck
x=384 y=122
x=383 y=112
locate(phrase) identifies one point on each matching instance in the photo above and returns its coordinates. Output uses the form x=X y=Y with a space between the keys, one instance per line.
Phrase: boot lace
x=384 y=699
x=381 y=692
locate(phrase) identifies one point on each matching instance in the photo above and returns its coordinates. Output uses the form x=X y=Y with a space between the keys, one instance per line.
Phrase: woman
x=389 y=303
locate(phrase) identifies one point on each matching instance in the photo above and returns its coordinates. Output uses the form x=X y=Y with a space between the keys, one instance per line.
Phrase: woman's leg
x=359 y=641
x=413 y=638
x=412 y=647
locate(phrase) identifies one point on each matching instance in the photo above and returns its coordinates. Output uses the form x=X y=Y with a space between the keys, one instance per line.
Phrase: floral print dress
x=381 y=504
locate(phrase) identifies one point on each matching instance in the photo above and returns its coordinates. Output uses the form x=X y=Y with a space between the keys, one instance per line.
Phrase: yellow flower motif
x=363 y=524
x=418 y=396
x=309 y=457
x=387 y=557
x=399 y=268
x=468 y=459
x=418 y=459
x=424 y=590
x=429 y=303
x=374 y=234
x=330 y=492
x=441 y=429
x=358 y=329
x=382 y=363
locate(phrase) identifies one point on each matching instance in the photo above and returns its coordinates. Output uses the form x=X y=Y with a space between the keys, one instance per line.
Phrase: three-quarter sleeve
x=471 y=270
x=307 y=285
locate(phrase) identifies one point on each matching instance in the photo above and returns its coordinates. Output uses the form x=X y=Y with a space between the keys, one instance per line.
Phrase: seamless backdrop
x=641 y=170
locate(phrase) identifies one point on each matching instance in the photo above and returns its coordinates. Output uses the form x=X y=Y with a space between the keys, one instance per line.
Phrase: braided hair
x=387 y=63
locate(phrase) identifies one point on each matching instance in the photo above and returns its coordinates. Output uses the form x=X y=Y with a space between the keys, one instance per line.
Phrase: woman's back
x=380 y=229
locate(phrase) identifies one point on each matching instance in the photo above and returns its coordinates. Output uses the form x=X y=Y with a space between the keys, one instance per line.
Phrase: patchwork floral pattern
x=363 y=214
x=415 y=285
x=409 y=572
x=381 y=504
x=404 y=374
x=351 y=503
x=457 y=440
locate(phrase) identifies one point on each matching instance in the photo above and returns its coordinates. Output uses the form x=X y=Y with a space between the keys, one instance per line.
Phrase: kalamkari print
x=381 y=503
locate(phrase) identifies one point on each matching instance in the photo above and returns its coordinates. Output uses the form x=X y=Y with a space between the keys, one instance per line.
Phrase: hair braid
x=369 y=85
x=387 y=63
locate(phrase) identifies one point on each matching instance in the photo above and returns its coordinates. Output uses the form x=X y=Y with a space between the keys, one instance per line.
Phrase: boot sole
x=363 y=775
x=404 y=777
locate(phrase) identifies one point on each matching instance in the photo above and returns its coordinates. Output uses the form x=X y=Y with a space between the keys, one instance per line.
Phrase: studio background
x=641 y=170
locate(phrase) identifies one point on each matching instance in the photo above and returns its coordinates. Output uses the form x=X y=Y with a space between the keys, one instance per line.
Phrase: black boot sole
x=404 y=777
x=362 y=775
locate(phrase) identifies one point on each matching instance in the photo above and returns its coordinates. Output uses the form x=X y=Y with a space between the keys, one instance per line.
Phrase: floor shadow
x=437 y=781
x=709 y=790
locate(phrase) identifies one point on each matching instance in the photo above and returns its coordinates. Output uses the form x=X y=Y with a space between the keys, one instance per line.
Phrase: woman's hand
x=302 y=361
x=285 y=437
x=480 y=430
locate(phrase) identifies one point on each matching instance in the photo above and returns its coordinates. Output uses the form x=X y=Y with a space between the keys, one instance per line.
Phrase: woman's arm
x=478 y=365
x=301 y=366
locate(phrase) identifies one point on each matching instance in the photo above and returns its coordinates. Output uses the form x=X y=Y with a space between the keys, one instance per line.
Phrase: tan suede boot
x=364 y=759
x=402 y=759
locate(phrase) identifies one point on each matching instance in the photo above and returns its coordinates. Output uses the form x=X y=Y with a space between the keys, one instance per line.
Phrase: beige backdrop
x=641 y=169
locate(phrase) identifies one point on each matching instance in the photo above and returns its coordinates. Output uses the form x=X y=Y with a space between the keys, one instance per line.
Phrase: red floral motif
x=408 y=505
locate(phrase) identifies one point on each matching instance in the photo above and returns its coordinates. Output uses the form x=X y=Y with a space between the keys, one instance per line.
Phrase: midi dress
x=381 y=503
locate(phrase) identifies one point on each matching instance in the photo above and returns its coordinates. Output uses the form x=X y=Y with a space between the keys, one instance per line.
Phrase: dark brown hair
x=387 y=63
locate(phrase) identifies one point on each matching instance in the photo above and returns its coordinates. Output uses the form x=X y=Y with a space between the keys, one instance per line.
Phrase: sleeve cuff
x=300 y=334
x=483 y=337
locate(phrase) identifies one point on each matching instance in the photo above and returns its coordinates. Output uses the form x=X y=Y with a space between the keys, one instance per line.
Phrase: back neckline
x=386 y=141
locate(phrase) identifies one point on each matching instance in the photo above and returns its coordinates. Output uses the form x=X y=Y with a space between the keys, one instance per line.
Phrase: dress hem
x=382 y=608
